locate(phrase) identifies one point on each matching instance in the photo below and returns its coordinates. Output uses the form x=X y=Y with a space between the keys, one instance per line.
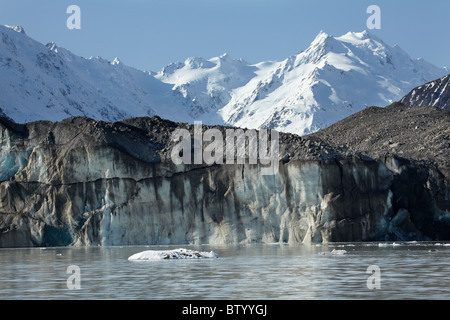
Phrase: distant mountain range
x=330 y=80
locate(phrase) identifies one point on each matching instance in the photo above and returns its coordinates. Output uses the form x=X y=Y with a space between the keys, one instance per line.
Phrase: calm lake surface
x=407 y=270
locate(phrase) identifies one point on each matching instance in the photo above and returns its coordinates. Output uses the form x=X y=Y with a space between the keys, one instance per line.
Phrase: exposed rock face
x=435 y=93
x=85 y=182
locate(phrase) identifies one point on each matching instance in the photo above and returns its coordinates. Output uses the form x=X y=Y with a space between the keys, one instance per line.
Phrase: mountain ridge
x=331 y=79
x=435 y=93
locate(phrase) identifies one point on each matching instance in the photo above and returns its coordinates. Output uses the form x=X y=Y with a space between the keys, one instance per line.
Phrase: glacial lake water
x=406 y=270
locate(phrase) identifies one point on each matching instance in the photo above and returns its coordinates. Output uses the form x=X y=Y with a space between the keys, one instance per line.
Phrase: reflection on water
x=408 y=270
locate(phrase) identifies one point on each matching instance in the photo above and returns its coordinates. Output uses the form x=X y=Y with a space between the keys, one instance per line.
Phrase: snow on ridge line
x=172 y=254
x=18 y=29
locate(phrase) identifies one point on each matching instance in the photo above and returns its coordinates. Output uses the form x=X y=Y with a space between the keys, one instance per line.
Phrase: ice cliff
x=86 y=182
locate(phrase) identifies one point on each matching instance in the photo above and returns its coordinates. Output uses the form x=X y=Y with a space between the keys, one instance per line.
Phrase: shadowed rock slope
x=435 y=93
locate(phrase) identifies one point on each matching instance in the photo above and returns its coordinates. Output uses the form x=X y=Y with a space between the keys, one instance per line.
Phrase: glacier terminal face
x=85 y=182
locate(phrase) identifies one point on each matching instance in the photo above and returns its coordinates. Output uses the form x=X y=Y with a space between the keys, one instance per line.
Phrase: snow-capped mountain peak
x=331 y=79
x=198 y=63
x=321 y=37
x=49 y=82
x=18 y=29
x=358 y=38
x=116 y=61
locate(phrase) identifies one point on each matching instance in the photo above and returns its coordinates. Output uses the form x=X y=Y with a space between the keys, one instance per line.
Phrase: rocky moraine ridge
x=380 y=174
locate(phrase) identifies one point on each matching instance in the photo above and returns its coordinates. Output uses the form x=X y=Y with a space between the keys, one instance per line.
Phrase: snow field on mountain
x=330 y=80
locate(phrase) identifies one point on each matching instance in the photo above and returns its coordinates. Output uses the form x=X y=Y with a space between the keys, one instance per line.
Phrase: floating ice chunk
x=370 y=244
x=386 y=244
x=338 y=252
x=334 y=252
x=172 y=254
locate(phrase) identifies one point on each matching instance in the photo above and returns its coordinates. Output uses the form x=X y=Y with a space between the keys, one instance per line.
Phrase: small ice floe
x=387 y=244
x=171 y=254
x=338 y=252
x=334 y=252
x=370 y=244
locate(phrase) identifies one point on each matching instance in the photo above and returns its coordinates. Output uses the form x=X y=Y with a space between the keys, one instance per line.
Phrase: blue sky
x=149 y=34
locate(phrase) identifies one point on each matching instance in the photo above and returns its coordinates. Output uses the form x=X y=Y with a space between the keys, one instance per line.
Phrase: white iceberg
x=338 y=252
x=386 y=244
x=172 y=254
x=334 y=252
